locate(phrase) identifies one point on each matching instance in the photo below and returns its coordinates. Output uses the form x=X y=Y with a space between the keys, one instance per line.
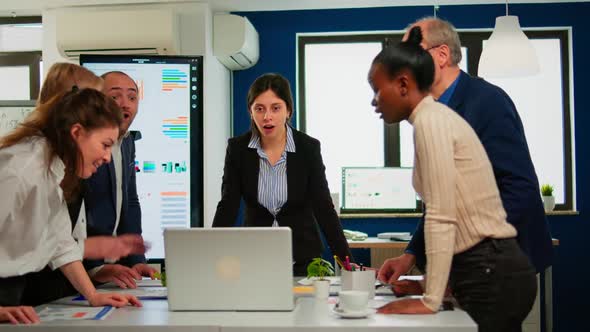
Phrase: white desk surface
x=309 y=315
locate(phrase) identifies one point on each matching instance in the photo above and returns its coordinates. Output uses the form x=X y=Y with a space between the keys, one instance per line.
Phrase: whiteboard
x=11 y=116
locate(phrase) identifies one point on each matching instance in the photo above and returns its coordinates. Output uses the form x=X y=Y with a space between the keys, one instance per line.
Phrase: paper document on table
x=145 y=282
x=142 y=293
x=48 y=314
x=412 y=277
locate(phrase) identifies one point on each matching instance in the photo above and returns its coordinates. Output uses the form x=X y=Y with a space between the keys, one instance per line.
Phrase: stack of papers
x=395 y=236
x=355 y=235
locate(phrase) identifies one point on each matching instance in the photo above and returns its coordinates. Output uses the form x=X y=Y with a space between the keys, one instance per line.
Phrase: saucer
x=353 y=314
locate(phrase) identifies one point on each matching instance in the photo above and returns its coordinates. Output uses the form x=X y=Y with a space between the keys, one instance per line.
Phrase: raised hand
x=109 y=247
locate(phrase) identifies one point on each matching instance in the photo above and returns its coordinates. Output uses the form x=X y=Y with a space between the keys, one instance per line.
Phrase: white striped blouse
x=272 y=180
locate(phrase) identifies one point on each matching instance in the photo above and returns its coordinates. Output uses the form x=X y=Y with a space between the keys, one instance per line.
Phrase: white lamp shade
x=508 y=52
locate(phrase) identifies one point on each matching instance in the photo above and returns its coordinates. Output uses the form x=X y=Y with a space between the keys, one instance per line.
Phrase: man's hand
x=406 y=287
x=393 y=268
x=405 y=306
x=144 y=270
x=109 y=247
x=113 y=299
x=21 y=314
x=121 y=275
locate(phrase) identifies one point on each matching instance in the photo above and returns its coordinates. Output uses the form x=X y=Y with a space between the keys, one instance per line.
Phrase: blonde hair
x=62 y=76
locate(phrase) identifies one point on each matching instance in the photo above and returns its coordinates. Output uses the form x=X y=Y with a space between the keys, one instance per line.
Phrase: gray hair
x=440 y=32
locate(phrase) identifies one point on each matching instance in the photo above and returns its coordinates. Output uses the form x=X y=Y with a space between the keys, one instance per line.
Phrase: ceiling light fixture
x=508 y=52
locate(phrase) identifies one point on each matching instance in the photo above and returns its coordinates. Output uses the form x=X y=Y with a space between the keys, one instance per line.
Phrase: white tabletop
x=310 y=314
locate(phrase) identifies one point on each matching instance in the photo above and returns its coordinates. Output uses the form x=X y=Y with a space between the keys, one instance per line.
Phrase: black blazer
x=308 y=198
x=101 y=201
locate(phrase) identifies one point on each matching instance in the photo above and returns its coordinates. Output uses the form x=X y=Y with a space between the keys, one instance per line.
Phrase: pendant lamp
x=508 y=52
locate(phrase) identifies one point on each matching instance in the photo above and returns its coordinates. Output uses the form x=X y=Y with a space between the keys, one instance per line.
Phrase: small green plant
x=547 y=190
x=319 y=268
x=161 y=276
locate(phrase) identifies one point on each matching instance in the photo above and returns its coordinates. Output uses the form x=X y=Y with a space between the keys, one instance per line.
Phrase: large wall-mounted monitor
x=378 y=189
x=169 y=155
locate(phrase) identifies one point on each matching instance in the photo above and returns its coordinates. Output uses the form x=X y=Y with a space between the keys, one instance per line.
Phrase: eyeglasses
x=433 y=47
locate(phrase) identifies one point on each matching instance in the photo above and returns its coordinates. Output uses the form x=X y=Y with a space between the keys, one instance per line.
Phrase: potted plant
x=161 y=276
x=548 y=198
x=318 y=270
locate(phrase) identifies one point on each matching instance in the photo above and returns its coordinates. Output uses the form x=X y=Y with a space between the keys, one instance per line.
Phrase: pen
x=339 y=262
x=348 y=264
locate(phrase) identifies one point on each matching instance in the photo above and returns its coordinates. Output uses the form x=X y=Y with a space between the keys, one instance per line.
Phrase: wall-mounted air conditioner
x=235 y=41
x=147 y=31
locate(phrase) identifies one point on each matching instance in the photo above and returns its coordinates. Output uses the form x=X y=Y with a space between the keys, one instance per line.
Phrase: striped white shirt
x=272 y=180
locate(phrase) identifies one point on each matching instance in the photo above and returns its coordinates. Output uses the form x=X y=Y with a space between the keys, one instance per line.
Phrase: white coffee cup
x=359 y=280
x=353 y=300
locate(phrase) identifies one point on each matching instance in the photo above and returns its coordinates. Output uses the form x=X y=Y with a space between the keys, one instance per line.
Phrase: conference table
x=310 y=314
x=382 y=249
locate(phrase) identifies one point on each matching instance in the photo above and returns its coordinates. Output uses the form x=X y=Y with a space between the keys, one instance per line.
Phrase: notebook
x=237 y=268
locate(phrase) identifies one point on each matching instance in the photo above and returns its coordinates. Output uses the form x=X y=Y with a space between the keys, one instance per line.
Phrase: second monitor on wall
x=169 y=155
x=378 y=190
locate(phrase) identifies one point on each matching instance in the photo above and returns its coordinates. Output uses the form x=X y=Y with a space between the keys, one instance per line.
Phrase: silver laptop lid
x=238 y=268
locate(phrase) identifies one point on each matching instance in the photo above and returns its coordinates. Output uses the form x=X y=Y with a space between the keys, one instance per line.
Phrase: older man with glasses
x=493 y=116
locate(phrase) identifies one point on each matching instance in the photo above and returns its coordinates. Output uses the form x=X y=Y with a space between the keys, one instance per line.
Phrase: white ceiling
x=34 y=7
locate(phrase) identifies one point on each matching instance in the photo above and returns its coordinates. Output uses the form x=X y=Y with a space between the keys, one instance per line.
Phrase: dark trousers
x=495 y=283
x=35 y=288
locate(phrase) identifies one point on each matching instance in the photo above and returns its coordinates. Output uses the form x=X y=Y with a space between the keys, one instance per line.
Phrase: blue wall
x=278 y=30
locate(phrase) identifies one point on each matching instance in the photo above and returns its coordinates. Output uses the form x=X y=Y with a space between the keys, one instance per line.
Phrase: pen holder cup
x=359 y=280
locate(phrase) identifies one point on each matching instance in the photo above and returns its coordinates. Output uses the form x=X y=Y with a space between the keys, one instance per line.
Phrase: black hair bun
x=415 y=36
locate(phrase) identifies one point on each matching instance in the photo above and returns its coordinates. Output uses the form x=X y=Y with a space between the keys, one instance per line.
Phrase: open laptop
x=237 y=268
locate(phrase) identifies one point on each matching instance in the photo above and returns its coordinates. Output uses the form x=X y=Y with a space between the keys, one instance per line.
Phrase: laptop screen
x=236 y=268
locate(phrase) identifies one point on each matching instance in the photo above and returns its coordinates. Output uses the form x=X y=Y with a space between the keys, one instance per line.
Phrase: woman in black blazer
x=279 y=173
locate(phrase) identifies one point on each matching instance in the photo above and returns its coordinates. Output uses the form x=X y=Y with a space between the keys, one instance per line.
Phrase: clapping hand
x=113 y=248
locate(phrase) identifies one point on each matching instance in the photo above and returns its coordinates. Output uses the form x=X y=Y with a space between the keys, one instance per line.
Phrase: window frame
x=473 y=41
x=29 y=59
x=25 y=59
